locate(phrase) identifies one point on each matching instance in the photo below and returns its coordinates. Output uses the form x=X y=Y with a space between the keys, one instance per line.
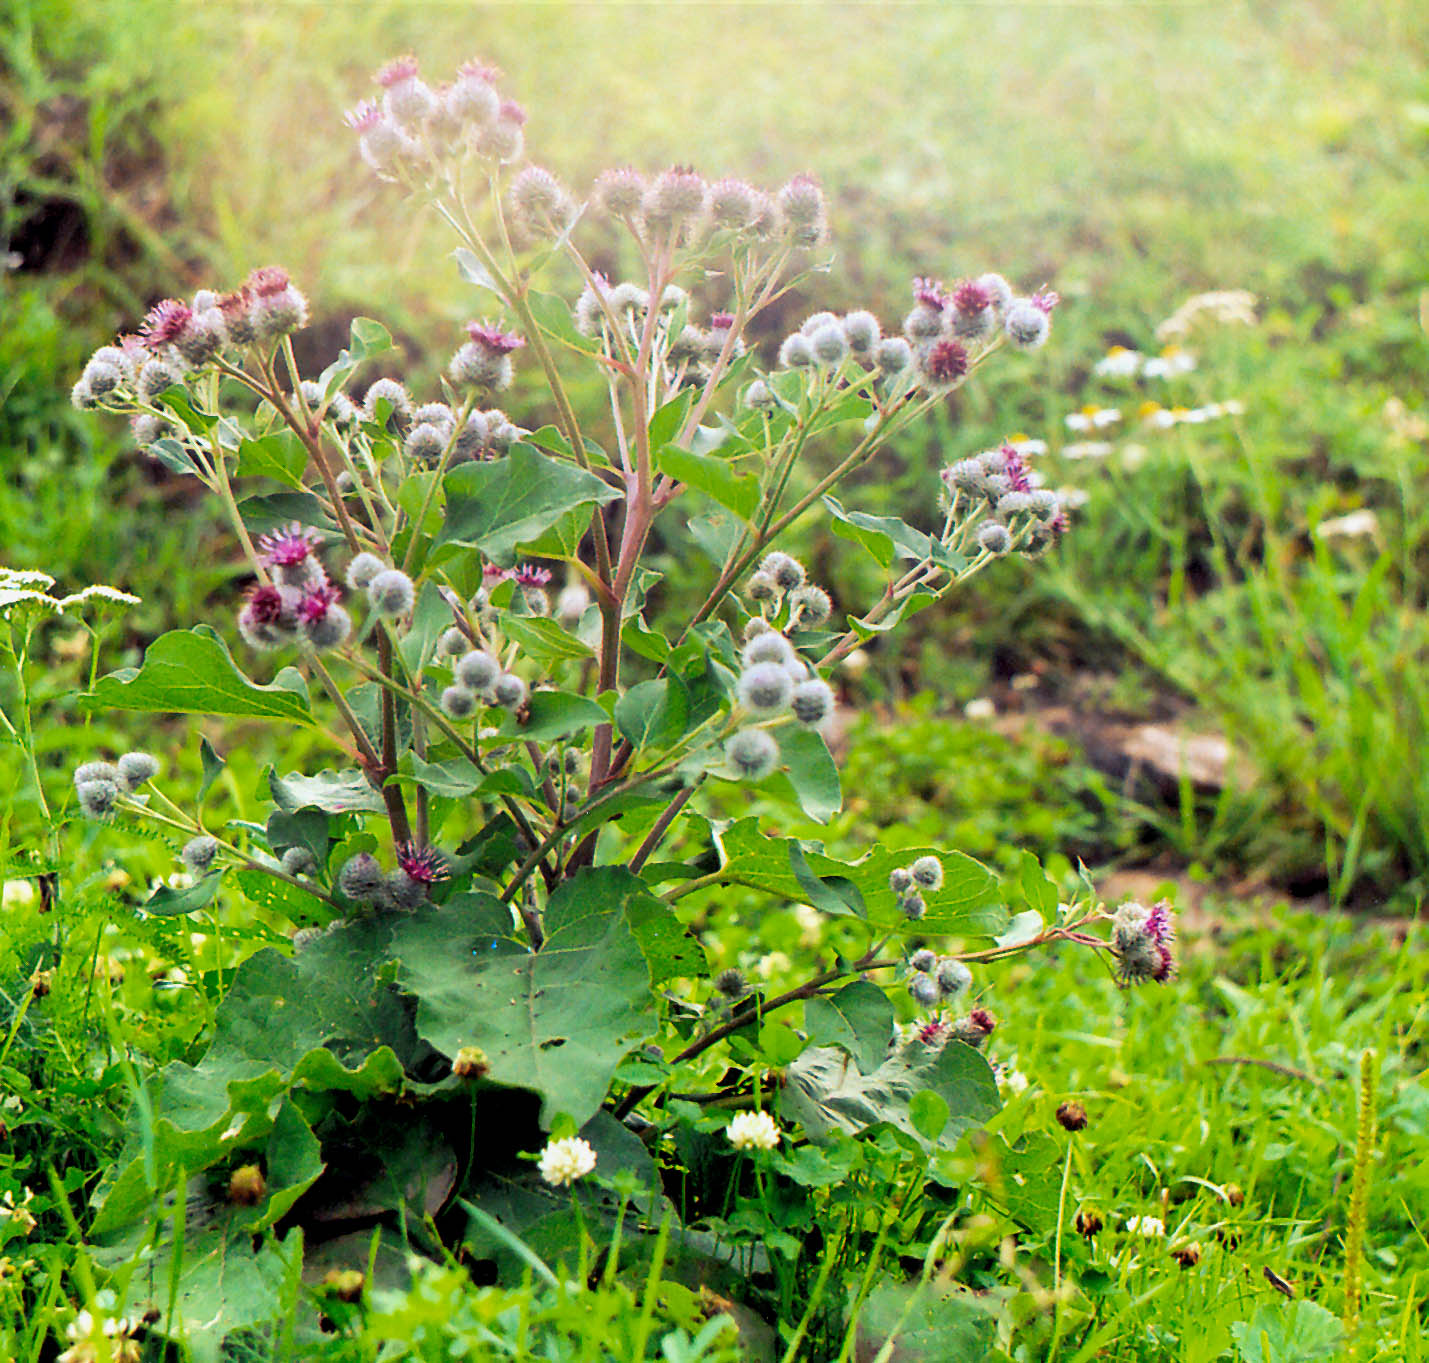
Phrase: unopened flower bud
x=298 y=861
x=509 y=691
x=477 y=670
x=96 y=797
x=862 y=332
x=360 y=878
x=787 y=571
x=924 y=990
x=1026 y=325
x=752 y=753
x=829 y=344
x=391 y=592
x=767 y=646
x=198 y=854
x=760 y=396
x=994 y=538
x=390 y=397
x=135 y=768
x=453 y=643
x=425 y=443
x=458 y=703
x=619 y=192
x=761 y=587
x=893 y=355
x=470 y=1063
x=900 y=880
x=953 y=977
x=765 y=689
x=731 y=983
x=923 y=960
x=363 y=569
x=1088 y=1222
x=801 y=202
x=927 y=872
x=1072 y=1116
x=247 y=1187
x=795 y=352
x=813 y=702
x=912 y=906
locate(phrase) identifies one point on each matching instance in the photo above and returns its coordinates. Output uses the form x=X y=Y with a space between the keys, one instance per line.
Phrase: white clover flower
x=1092 y=418
x=753 y=1131
x=564 y=1161
x=1148 y=1227
x=981 y=708
x=1118 y=363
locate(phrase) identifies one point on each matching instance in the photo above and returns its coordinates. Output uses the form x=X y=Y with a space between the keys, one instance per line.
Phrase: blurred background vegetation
x=1128 y=156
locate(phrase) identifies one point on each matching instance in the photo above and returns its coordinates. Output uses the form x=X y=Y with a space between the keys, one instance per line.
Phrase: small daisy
x=1092 y=418
x=1118 y=363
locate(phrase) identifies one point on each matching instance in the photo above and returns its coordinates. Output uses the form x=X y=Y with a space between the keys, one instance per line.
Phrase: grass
x=1128 y=156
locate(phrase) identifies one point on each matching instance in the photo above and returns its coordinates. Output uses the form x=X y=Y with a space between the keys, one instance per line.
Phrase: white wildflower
x=753 y=1131
x=1169 y=364
x=1118 y=363
x=17 y=894
x=1148 y=1227
x=981 y=708
x=1092 y=418
x=1350 y=526
x=1087 y=449
x=564 y=1161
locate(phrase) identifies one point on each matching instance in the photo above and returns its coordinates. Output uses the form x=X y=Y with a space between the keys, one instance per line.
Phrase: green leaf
x=496 y=506
x=276 y=510
x=277 y=896
x=1288 y=1332
x=213 y=766
x=666 y=422
x=544 y=641
x=931 y=1324
x=825 y=1090
x=307 y=828
x=473 y=271
x=368 y=339
x=455 y=777
x=557 y=1021
x=885 y=537
x=168 y=903
x=715 y=477
x=553 y=316
x=279 y=455
x=192 y=672
x=835 y=895
x=966 y=904
x=1038 y=888
x=857 y=1018
x=336 y=792
x=654 y=713
x=811 y=771
x=928 y=1111
x=554 y=714
x=172 y=455
x=716 y=534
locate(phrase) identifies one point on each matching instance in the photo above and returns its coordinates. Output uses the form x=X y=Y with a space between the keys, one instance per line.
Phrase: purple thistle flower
x=288 y=547
x=166 y=322
x=528 y=576
x=268 y=281
x=1046 y=300
x=266 y=605
x=479 y=70
x=396 y=71
x=364 y=117
x=316 y=603
x=1016 y=469
x=425 y=865
x=511 y=112
x=931 y=294
x=932 y=1032
x=971 y=297
x=722 y=321
x=492 y=339
x=946 y=361
x=492 y=572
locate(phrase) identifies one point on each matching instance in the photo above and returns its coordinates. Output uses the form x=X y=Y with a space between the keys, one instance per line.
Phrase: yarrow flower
x=753 y=1131
x=564 y=1161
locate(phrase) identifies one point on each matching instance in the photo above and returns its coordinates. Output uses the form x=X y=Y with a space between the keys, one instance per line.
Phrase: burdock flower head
x=269 y=618
x=323 y=621
x=485 y=360
x=380 y=142
x=425 y=865
x=289 y=552
x=277 y=307
x=1141 y=940
x=165 y=323
x=406 y=99
x=943 y=364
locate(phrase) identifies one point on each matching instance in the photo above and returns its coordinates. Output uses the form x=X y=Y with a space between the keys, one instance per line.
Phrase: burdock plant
x=504 y=847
